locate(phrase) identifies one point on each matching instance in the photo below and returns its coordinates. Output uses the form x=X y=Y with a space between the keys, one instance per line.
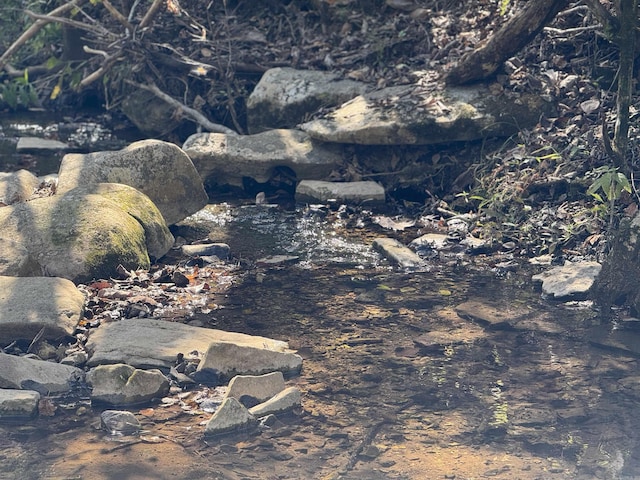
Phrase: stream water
x=406 y=375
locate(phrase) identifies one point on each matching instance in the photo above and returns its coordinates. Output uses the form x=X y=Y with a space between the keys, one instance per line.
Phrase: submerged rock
x=18 y=404
x=119 y=422
x=349 y=192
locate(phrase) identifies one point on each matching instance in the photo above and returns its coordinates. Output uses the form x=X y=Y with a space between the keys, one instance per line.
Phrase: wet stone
x=347 y=192
x=488 y=314
x=119 y=422
x=18 y=404
x=570 y=279
x=220 y=250
x=397 y=252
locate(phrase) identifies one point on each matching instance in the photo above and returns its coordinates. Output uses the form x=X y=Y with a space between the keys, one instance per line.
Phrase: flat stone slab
x=397 y=252
x=151 y=343
x=570 y=279
x=622 y=340
x=228 y=360
x=18 y=404
x=39 y=375
x=409 y=115
x=348 y=192
x=490 y=315
x=36 y=143
x=29 y=304
x=226 y=159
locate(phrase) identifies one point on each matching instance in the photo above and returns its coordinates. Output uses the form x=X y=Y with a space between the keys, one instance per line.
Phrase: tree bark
x=626 y=40
x=484 y=61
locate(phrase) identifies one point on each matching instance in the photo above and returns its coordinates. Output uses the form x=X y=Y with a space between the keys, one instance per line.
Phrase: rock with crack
x=256 y=388
x=143 y=165
x=409 y=115
x=284 y=97
x=229 y=159
x=122 y=384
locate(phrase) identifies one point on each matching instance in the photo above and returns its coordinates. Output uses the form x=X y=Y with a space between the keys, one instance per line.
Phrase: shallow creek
x=397 y=384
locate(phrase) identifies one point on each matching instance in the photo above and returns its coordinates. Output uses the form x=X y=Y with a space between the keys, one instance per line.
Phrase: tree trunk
x=626 y=40
x=483 y=62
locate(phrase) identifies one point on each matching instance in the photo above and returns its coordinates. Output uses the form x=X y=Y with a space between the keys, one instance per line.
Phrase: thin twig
x=117 y=15
x=153 y=10
x=194 y=115
x=35 y=28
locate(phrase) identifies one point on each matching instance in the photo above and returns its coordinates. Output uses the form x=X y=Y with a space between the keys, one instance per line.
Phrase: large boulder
x=17 y=186
x=29 y=305
x=84 y=233
x=616 y=284
x=284 y=97
x=160 y=170
x=407 y=115
x=227 y=159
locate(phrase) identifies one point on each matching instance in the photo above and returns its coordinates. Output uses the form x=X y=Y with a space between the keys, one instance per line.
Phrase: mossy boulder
x=160 y=170
x=84 y=233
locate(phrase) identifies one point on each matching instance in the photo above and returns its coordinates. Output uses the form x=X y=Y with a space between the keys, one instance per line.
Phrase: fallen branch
x=194 y=115
x=153 y=10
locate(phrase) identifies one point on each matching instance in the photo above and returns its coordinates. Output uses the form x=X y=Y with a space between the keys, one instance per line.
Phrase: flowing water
x=456 y=371
x=405 y=375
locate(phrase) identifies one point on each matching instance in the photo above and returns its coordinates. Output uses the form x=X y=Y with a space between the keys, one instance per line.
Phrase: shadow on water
x=455 y=372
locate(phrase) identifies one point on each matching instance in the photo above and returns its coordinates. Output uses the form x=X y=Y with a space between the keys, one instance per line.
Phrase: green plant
x=19 y=93
x=611 y=183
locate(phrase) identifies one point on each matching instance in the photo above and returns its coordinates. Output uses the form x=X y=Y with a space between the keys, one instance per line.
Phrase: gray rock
x=226 y=159
x=18 y=404
x=228 y=360
x=490 y=315
x=39 y=375
x=230 y=416
x=120 y=342
x=17 y=186
x=122 y=384
x=405 y=115
x=260 y=387
x=26 y=144
x=27 y=305
x=160 y=170
x=220 y=250
x=397 y=252
x=119 y=422
x=436 y=241
x=349 y=192
x=15 y=258
x=84 y=233
x=286 y=400
x=76 y=359
x=284 y=97
x=620 y=339
x=568 y=280
x=151 y=115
